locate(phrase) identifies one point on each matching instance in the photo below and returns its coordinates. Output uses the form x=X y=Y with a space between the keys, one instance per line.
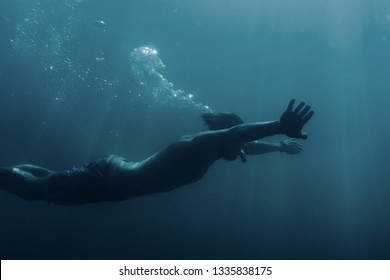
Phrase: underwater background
x=81 y=79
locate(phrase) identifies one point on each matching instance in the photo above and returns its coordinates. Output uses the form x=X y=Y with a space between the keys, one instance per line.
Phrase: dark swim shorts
x=87 y=184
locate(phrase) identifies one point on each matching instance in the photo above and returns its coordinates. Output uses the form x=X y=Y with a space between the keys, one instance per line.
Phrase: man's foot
x=13 y=175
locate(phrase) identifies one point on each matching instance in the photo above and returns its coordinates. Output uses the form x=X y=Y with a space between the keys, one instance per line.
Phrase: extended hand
x=291 y=147
x=292 y=122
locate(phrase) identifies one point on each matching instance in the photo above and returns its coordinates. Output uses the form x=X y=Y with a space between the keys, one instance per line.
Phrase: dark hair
x=215 y=121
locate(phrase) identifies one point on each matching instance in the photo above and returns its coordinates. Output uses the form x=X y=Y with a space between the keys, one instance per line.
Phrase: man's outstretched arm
x=289 y=146
x=290 y=123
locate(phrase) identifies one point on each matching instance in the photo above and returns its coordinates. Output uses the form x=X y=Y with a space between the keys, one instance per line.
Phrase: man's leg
x=35 y=170
x=22 y=183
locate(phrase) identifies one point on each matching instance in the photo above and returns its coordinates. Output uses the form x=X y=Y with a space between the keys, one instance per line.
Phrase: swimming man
x=183 y=162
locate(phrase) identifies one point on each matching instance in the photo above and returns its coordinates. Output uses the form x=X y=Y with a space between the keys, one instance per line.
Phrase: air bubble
x=146 y=67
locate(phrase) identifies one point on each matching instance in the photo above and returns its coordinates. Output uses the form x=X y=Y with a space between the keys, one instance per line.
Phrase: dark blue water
x=71 y=91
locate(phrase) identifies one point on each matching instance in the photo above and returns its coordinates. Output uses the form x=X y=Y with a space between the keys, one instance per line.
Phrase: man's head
x=216 y=121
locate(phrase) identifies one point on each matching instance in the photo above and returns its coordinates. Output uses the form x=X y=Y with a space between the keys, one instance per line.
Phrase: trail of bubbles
x=147 y=68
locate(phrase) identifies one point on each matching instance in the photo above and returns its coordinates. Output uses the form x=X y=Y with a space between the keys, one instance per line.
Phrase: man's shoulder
x=200 y=137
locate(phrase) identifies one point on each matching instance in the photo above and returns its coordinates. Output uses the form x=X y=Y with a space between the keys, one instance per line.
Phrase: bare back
x=183 y=162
